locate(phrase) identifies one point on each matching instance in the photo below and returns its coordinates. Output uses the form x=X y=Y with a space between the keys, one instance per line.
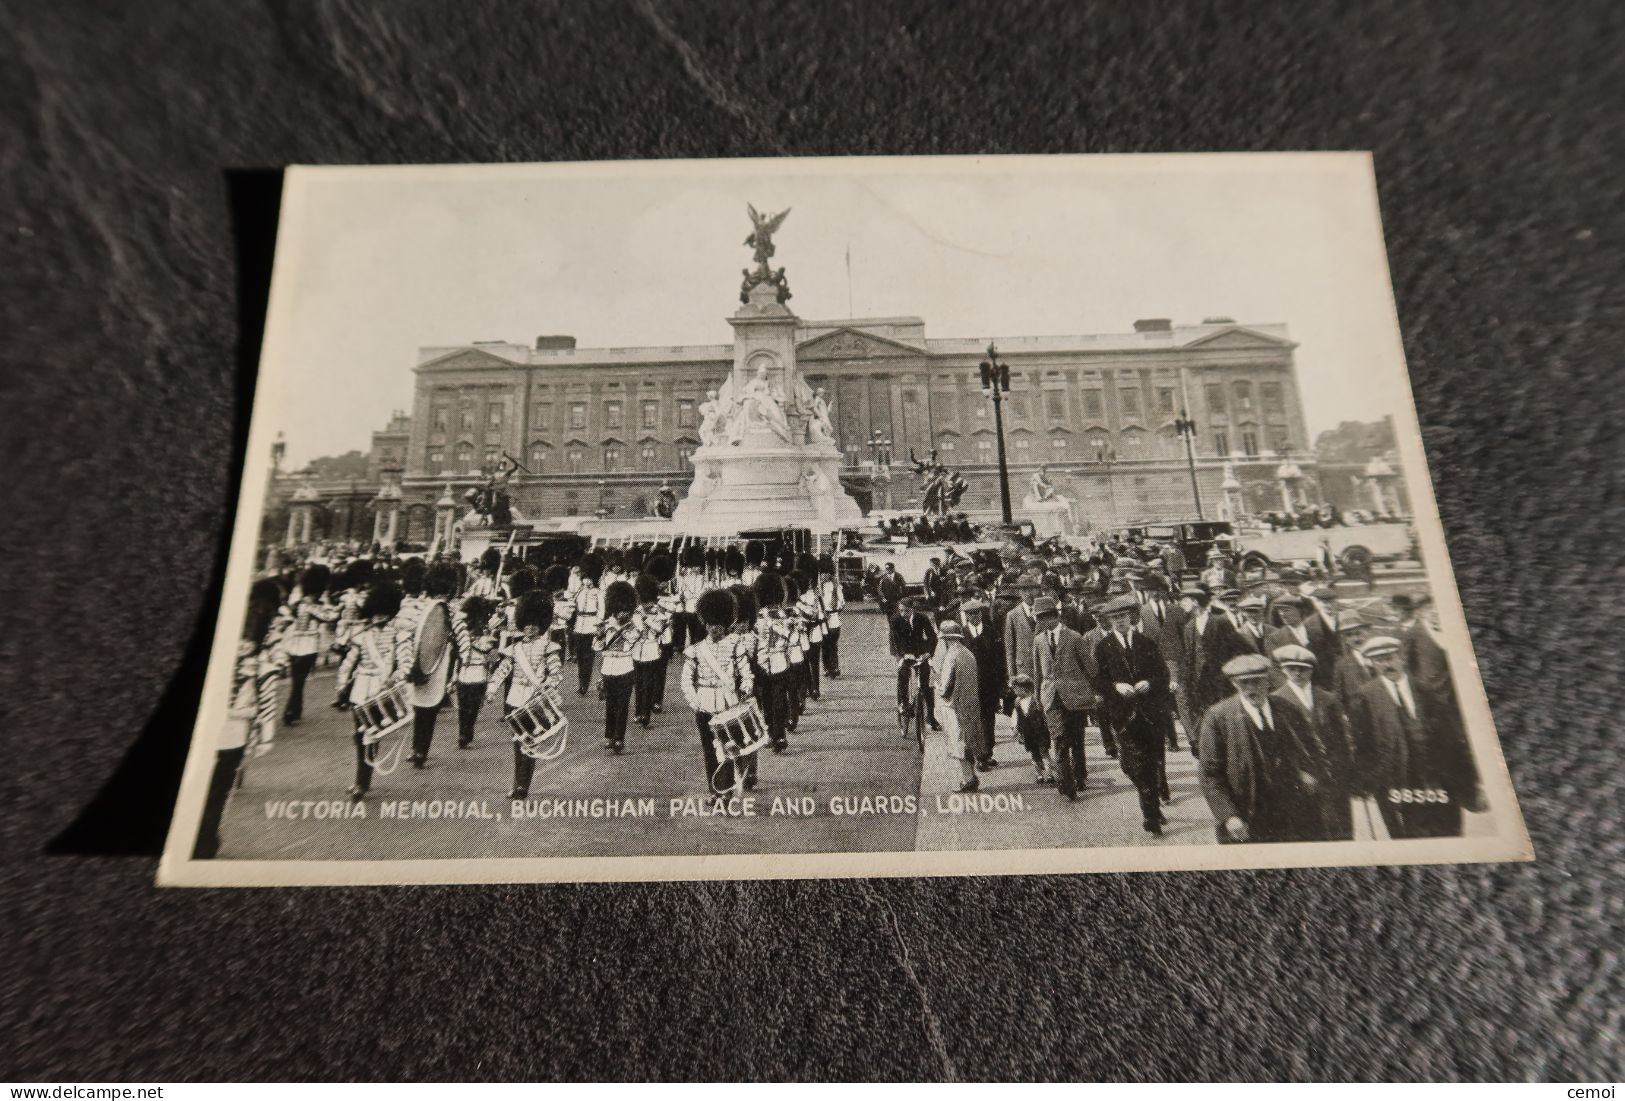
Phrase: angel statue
x=711 y=420
x=761 y=238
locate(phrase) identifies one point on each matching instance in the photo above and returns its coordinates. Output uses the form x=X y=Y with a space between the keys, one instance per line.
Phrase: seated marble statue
x=758 y=401
x=1043 y=488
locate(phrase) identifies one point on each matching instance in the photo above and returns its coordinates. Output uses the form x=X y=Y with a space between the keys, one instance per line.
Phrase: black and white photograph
x=835 y=517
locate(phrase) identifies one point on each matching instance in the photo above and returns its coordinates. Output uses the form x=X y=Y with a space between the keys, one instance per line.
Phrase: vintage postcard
x=838 y=517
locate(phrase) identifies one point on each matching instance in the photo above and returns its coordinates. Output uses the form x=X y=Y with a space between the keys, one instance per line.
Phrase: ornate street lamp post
x=995 y=384
x=1187 y=428
x=1108 y=456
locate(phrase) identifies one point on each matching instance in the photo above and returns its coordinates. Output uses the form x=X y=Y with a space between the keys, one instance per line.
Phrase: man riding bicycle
x=913 y=639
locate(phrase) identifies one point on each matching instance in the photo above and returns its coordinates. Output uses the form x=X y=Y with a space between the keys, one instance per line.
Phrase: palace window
x=651 y=414
x=685 y=413
x=1221 y=444
x=578 y=414
x=442 y=418
x=1022 y=447
x=1249 y=444
x=572 y=506
x=984 y=451
x=1094 y=405
x=1018 y=405
x=572 y=460
x=538 y=458
x=1279 y=440
x=1270 y=394
x=948 y=447
x=1244 y=396
x=465 y=458
x=1128 y=399
x=1215 y=397
x=1165 y=401
x=649 y=457
x=1131 y=441
x=493 y=416
x=437 y=460
x=541 y=415
x=492 y=458
x=981 y=408
x=612 y=458
x=612 y=414
x=465 y=418
x=1057 y=443
x=1097 y=444
x=685 y=452
x=1055 y=405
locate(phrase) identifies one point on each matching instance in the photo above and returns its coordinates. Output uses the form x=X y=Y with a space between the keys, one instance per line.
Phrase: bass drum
x=431 y=644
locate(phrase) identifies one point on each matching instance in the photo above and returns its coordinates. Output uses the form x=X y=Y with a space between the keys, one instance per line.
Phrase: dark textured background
x=1498 y=137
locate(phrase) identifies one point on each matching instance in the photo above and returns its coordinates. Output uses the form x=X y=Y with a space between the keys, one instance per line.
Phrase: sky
x=375 y=263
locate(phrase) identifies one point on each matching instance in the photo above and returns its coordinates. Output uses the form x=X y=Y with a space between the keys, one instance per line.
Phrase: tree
x=1355 y=441
x=339 y=468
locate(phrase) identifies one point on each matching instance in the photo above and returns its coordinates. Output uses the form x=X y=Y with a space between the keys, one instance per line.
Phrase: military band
x=1313 y=718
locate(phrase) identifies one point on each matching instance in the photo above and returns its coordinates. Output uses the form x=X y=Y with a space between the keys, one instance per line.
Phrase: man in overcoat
x=1132 y=683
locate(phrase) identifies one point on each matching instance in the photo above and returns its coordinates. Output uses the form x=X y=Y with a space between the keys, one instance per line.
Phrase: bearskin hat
x=713 y=560
x=614 y=559
x=477 y=613
x=787 y=560
x=806 y=565
x=556 y=578
x=826 y=563
x=440 y=579
x=692 y=557
x=635 y=557
x=535 y=609
x=358 y=573
x=521 y=582
x=754 y=553
x=769 y=589
x=733 y=561
x=592 y=568
x=264 y=598
x=744 y=605
x=716 y=608
x=648 y=589
x=660 y=567
x=620 y=598
x=413 y=573
x=313 y=581
x=792 y=587
x=491 y=560
x=382 y=599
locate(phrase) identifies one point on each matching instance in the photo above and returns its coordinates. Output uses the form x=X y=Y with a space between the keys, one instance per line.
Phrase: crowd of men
x=1313 y=718
x=753 y=631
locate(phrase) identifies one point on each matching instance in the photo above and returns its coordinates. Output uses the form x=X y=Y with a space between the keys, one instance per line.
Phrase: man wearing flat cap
x=1327 y=726
x=1132 y=683
x=1210 y=641
x=1061 y=677
x=1410 y=754
x=1260 y=773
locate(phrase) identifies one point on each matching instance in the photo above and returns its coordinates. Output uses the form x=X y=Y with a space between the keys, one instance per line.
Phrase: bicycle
x=913 y=712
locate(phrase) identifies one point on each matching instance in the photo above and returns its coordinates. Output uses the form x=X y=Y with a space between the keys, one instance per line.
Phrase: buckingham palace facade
x=598 y=430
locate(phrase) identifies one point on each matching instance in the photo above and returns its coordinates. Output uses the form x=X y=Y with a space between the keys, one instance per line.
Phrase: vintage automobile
x=1353 y=548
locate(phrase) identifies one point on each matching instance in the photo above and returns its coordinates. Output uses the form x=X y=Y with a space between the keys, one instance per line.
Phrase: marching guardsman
x=429 y=685
x=615 y=640
x=733 y=566
x=833 y=600
x=715 y=677
x=485 y=582
x=532 y=665
x=251 y=713
x=588 y=611
x=811 y=610
x=663 y=569
x=773 y=656
x=471 y=627
x=649 y=623
x=747 y=644
x=755 y=552
x=519 y=583
x=301 y=641
x=796 y=682
x=381 y=657
x=357 y=575
x=555 y=581
x=614 y=569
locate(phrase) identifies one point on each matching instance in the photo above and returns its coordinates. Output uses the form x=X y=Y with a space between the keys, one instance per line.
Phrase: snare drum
x=384 y=714
x=540 y=726
x=740 y=731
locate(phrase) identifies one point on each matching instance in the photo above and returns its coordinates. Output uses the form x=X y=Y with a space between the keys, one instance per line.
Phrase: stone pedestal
x=751 y=476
